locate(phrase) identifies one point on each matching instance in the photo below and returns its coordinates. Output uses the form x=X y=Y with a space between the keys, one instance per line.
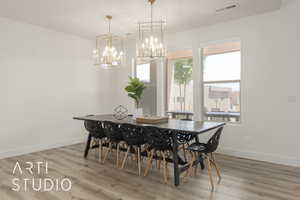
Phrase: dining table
x=182 y=132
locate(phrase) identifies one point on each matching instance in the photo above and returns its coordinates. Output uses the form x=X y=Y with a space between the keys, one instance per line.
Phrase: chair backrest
x=158 y=139
x=213 y=142
x=132 y=134
x=184 y=137
x=112 y=131
x=94 y=128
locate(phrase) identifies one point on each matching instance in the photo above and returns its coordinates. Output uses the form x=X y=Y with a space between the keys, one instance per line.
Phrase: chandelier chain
x=109 y=22
x=151 y=17
x=108 y=17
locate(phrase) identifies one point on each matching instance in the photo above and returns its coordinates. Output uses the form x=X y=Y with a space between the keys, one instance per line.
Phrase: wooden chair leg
x=167 y=170
x=168 y=156
x=185 y=176
x=122 y=153
x=202 y=162
x=107 y=152
x=193 y=158
x=184 y=152
x=208 y=165
x=216 y=166
x=158 y=161
x=139 y=160
x=94 y=143
x=149 y=164
x=196 y=166
x=118 y=150
x=186 y=173
x=100 y=150
x=190 y=164
x=126 y=156
x=165 y=166
x=135 y=154
x=132 y=156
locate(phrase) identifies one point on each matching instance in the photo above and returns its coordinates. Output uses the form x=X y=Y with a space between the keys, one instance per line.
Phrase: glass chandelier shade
x=151 y=38
x=109 y=52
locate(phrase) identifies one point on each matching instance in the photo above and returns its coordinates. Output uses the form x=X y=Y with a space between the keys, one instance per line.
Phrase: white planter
x=138 y=112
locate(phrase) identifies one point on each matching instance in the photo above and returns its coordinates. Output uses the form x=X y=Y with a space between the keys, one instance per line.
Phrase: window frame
x=171 y=61
x=203 y=83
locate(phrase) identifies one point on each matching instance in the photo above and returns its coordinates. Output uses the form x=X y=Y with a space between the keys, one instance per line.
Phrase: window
x=143 y=72
x=180 y=85
x=221 y=82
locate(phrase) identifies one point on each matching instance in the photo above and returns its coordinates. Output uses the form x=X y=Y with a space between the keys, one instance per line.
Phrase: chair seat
x=197 y=147
x=99 y=135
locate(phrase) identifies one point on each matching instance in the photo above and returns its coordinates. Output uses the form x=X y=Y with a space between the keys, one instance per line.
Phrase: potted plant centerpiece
x=135 y=89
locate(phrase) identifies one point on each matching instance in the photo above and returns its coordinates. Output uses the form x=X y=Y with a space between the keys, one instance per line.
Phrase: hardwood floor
x=242 y=179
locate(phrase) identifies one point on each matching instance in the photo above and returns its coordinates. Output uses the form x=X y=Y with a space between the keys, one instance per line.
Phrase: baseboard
x=40 y=147
x=290 y=161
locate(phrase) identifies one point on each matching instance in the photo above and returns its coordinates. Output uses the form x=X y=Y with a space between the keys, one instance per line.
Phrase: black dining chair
x=114 y=136
x=207 y=151
x=159 y=145
x=134 y=138
x=96 y=132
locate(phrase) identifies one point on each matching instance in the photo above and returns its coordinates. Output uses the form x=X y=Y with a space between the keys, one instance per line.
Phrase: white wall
x=121 y=77
x=46 y=78
x=270 y=83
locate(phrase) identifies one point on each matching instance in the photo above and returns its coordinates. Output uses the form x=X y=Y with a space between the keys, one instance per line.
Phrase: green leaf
x=135 y=89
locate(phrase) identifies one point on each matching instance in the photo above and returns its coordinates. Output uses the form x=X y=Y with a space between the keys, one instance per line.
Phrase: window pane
x=222 y=101
x=143 y=72
x=180 y=85
x=226 y=66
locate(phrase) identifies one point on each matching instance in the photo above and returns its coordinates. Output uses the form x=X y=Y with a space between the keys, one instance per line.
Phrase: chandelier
x=109 y=49
x=151 y=42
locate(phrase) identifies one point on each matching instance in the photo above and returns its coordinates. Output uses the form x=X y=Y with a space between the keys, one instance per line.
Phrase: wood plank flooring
x=242 y=179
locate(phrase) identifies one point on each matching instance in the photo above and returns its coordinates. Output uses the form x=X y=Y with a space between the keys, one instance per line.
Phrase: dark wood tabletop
x=173 y=124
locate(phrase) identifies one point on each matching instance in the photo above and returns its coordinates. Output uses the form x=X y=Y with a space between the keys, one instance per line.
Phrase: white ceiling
x=86 y=17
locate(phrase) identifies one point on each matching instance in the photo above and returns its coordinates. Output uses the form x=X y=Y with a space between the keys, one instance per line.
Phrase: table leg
x=175 y=161
x=201 y=162
x=88 y=144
